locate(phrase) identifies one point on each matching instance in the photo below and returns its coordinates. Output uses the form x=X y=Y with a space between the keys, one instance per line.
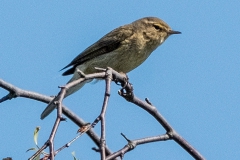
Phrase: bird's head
x=154 y=29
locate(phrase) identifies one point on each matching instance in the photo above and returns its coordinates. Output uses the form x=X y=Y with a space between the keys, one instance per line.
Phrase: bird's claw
x=127 y=90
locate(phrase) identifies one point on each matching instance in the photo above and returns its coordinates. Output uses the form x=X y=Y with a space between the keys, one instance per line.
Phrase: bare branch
x=133 y=143
x=126 y=92
x=46 y=99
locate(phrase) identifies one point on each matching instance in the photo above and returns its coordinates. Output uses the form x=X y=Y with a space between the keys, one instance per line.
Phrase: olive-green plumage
x=122 y=49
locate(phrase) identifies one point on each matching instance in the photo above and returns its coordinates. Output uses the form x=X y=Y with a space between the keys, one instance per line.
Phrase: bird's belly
x=121 y=61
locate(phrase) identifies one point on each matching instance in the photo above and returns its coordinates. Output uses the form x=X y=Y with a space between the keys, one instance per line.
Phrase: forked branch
x=126 y=92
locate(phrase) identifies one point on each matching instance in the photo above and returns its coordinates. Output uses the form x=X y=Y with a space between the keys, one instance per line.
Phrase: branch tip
x=148 y=101
x=81 y=73
x=96 y=149
x=100 y=69
x=125 y=137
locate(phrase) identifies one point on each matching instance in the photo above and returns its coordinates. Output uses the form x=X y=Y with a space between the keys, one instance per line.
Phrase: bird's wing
x=106 y=44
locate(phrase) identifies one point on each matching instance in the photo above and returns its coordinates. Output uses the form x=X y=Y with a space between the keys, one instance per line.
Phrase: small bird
x=122 y=49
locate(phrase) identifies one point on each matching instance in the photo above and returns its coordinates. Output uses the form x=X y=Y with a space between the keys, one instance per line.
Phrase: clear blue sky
x=193 y=78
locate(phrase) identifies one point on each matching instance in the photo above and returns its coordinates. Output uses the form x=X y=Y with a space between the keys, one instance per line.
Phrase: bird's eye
x=157 y=27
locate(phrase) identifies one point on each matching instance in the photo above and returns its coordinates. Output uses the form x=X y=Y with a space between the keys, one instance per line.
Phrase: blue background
x=193 y=78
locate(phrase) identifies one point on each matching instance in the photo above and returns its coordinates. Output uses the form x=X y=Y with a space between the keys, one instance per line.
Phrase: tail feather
x=51 y=106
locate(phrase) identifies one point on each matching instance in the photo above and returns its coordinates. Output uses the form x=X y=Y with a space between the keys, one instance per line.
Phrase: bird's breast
x=127 y=57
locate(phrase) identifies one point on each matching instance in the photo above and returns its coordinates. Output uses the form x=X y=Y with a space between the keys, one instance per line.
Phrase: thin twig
x=127 y=93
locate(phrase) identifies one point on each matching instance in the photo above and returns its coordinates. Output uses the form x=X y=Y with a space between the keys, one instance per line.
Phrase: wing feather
x=106 y=44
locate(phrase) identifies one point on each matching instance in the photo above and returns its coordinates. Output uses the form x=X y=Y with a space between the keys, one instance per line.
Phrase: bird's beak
x=173 y=32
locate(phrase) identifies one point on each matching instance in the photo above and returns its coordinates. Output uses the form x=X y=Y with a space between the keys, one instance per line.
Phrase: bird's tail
x=51 y=106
